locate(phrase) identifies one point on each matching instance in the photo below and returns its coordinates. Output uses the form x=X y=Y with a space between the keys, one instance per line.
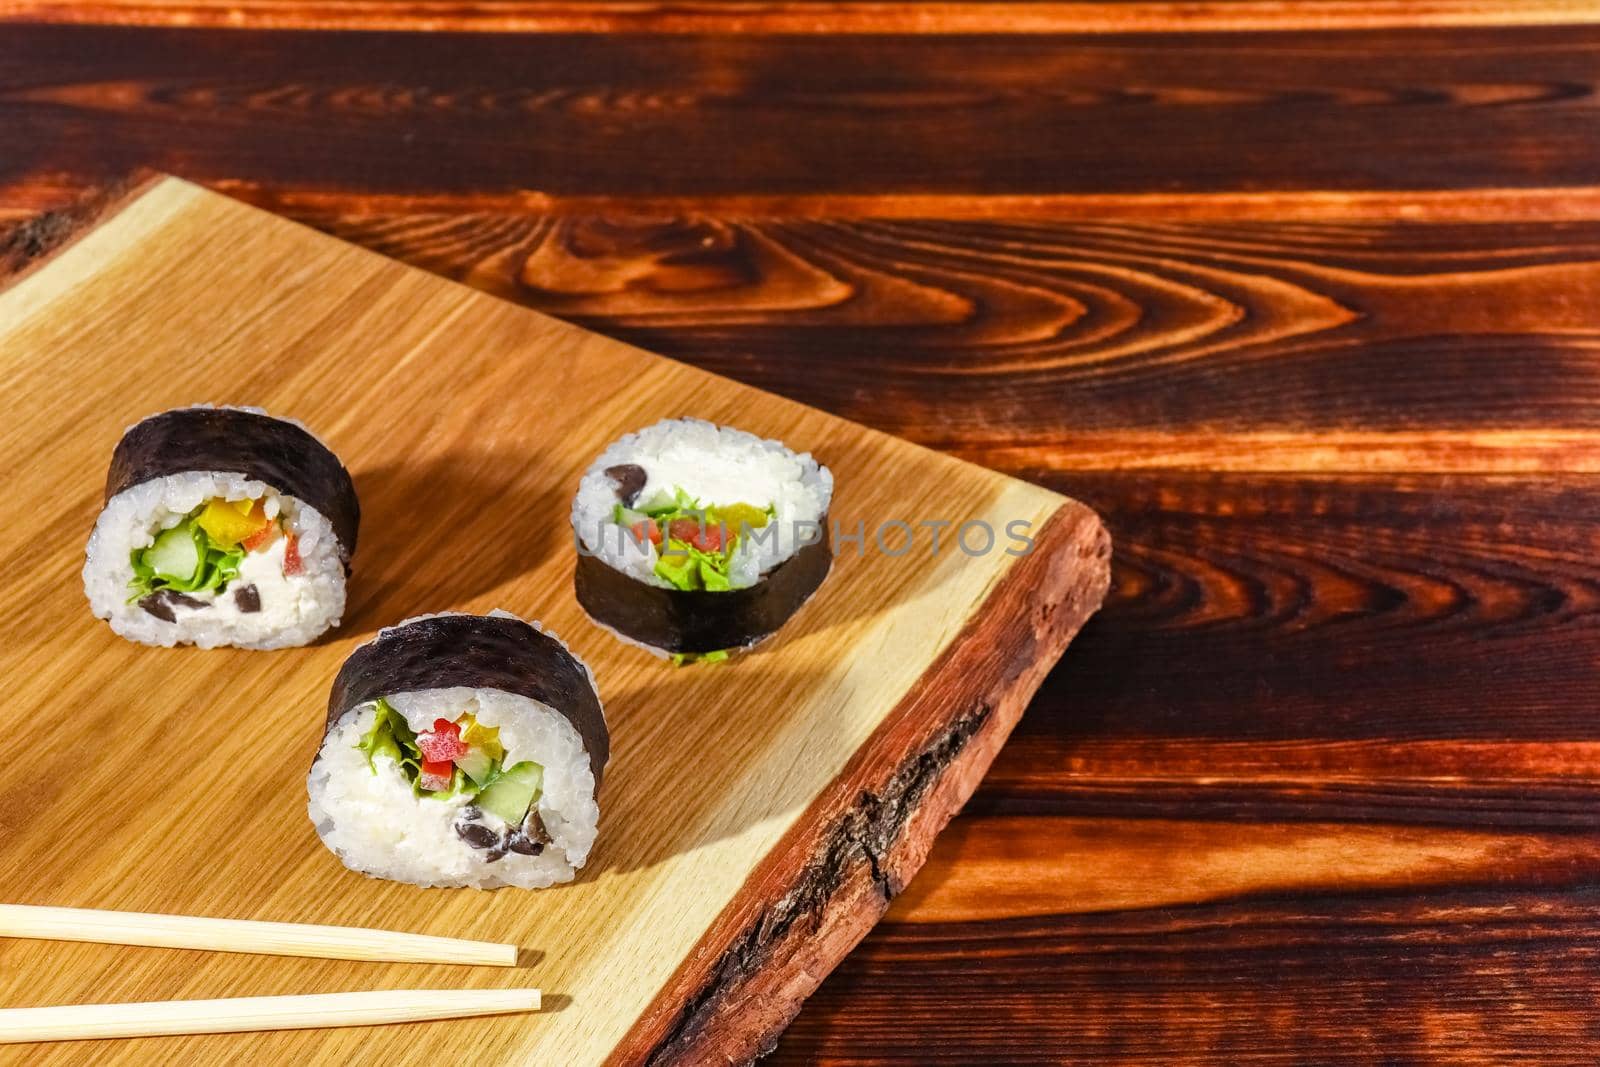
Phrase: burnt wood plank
x=1469 y=975
x=1000 y=868
x=804 y=16
x=639 y=115
x=1079 y=332
x=1272 y=608
x=1497 y=783
x=1029 y=345
x=1097 y=936
x=1400 y=650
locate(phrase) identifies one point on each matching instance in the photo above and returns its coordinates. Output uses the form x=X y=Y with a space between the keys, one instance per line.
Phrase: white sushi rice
x=375 y=824
x=717 y=465
x=294 y=609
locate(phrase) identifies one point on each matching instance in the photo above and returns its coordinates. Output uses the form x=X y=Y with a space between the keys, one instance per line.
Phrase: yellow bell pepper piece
x=737 y=516
x=226 y=525
x=485 y=737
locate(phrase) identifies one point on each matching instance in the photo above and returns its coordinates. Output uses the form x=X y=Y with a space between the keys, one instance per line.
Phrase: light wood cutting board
x=756 y=816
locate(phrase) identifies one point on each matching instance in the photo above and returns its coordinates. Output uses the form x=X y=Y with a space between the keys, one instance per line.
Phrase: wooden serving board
x=757 y=816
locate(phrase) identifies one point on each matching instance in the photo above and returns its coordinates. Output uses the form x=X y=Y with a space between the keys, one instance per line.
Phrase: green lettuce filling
x=477 y=775
x=688 y=567
x=680 y=563
x=685 y=659
x=213 y=566
x=390 y=736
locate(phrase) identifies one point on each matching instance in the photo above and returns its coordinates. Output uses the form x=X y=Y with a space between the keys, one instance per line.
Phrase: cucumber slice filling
x=187 y=559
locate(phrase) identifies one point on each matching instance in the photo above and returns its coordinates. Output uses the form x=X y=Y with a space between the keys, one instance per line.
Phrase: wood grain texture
x=1487 y=975
x=804 y=16
x=1348 y=609
x=1375 y=650
x=1039 y=347
x=181 y=272
x=976 y=876
x=1321 y=636
x=1283 y=714
x=1525 y=203
x=1107 y=345
x=37 y=192
x=639 y=115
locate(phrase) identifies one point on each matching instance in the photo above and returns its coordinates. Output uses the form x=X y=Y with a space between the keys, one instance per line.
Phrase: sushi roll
x=222 y=526
x=461 y=750
x=697 y=540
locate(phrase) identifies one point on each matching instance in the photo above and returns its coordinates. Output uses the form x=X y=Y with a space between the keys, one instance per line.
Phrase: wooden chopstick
x=78 y=1022
x=246 y=935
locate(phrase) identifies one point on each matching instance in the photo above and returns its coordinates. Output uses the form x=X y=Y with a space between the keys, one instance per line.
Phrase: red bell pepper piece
x=264 y=536
x=292 y=563
x=436 y=776
x=683 y=530
x=443 y=744
x=706 y=538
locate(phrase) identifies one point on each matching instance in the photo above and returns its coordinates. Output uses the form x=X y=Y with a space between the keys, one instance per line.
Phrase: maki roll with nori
x=222 y=526
x=461 y=750
x=697 y=540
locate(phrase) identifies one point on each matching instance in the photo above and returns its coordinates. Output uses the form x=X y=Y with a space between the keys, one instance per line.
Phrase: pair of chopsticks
x=151 y=1018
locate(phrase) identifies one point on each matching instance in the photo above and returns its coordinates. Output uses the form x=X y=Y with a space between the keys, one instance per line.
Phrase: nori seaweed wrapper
x=479 y=652
x=274 y=451
x=697 y=620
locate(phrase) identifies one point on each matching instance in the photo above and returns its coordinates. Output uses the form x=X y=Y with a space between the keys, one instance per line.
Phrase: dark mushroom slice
x=521 y=843
x=630 y=479
x=162 y=602
x=529 y=838
x=477 y=834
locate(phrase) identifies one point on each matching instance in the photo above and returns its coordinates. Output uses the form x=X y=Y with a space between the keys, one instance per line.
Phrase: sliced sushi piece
x=461 y=750
x=697 y=540
x=222 y=526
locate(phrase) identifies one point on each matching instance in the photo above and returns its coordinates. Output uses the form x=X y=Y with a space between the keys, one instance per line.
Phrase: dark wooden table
x=1304 y=297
